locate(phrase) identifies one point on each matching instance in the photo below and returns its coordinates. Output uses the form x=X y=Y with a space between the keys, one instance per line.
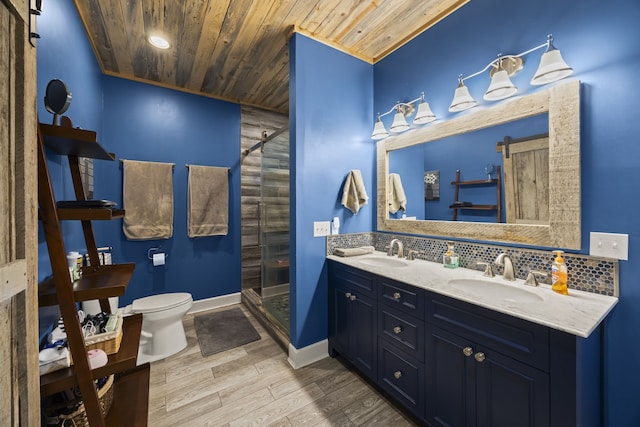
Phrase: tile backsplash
x=586 y=273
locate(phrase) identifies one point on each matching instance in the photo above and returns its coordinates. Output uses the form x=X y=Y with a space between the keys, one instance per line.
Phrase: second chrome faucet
x=505 y=261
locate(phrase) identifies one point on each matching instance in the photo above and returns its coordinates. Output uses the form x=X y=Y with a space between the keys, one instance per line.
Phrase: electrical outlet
x=321 y=228
x=609 y=245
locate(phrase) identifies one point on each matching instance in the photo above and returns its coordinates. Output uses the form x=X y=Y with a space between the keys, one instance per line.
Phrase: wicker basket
x=109 y=342
x=78 y=418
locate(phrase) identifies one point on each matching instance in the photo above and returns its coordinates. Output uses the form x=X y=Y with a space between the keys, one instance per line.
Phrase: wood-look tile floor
x=254 y=385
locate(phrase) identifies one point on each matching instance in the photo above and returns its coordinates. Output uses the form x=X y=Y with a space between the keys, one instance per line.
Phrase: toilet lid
x=160 y=302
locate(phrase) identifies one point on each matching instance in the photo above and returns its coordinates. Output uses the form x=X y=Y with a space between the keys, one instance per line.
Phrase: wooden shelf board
x=99 y=282
x=92 y=214
x=476 y=207
x=74 y=142
x=475 y=182
x=124 y=359
x=130 y=399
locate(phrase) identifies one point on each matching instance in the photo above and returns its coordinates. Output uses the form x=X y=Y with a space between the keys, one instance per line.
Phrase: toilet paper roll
x=158 y=259
x=97 y=358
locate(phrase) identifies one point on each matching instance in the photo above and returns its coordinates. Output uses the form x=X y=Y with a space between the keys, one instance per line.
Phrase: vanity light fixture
x=551 y=68
x=159 y=42
x=402 y=110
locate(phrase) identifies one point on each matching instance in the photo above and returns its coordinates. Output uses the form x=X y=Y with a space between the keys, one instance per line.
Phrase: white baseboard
x=215 y=302
x=299 y=358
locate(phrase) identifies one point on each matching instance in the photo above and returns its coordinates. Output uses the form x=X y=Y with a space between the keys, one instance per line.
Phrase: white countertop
x=578 y=313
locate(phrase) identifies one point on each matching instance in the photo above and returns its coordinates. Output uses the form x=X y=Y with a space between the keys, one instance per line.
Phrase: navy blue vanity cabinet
x=352 y=331
x=452 y=363
x=470 y=384
x=485 y=368
x=401 y=329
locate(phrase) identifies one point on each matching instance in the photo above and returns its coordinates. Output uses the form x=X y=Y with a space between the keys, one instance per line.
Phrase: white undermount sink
x=383 y=262
x=494 y=290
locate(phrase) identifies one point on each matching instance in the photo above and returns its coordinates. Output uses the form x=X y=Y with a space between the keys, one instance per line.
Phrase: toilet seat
x=160 y=302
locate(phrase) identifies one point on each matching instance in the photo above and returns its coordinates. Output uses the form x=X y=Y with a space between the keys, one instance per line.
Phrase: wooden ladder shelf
x=457 y=205
x=131 y=387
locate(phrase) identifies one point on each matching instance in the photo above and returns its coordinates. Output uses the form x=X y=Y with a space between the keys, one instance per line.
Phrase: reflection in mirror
x=428 y=170
x=559 y=226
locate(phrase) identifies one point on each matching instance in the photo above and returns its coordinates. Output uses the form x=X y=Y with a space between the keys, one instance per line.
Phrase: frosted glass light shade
x=552 y=68
x=399 y=123
x=424 y=114
x=462 y=99
x=379 y=131
x=501 y=87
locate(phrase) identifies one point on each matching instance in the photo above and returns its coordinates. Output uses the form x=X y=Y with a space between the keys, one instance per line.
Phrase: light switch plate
x=321 y=228
x=609 y=245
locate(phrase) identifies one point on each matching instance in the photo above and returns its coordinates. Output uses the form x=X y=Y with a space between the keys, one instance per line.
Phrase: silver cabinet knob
x=467 y=351
x=352 y=297
x=348 y=295
x=397 y=375
x=396 y=295
x=397 y=330
x=480 y=356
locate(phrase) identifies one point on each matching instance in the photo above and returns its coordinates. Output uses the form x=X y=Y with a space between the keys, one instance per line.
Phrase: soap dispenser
x=450 y=258
x=559 y=275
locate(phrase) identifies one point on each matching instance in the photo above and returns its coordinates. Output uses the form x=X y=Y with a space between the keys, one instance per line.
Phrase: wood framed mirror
x=563 y=230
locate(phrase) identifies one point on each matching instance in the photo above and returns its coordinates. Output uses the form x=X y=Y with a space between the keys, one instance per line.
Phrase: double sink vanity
x=456 y=348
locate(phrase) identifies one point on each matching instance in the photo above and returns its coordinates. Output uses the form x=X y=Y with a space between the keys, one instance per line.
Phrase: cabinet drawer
x=351 y=278
x=404 y=297
x=402 y=377
x=517 y=338
x=403 y=331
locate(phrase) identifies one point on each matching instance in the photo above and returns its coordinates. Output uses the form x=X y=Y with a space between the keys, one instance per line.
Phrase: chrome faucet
x=400 y=248
x=505 y=261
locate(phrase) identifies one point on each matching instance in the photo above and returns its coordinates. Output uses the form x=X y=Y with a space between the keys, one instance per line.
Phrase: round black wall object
x=57 y=99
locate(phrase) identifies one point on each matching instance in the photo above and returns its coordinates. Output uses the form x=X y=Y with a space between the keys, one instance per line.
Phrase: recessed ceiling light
x=159 y=42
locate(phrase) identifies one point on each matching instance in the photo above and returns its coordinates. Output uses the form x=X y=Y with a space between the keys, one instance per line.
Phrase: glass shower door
x=274 y=228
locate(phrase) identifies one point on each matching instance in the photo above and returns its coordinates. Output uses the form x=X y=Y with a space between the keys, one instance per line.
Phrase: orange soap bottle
x=559 y=276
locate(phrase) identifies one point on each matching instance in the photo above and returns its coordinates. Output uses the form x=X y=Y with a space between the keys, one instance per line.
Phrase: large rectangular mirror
x=547 y=166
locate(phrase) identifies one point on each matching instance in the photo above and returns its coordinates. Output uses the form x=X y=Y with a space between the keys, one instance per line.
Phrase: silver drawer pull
x=480 y=356
x=348 y=295
x=397 y=375
x=352 y=297
x=397 y=330
x=467 y=351
x=396 y=295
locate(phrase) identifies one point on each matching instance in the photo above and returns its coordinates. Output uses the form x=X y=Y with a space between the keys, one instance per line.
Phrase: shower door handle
x=260 y=207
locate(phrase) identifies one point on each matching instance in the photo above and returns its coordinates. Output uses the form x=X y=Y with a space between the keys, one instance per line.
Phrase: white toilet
x=162 y=330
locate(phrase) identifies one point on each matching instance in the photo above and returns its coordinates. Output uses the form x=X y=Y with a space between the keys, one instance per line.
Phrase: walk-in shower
x=271 y=297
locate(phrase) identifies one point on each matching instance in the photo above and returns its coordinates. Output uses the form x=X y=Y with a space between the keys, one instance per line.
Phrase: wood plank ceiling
x=237 y=50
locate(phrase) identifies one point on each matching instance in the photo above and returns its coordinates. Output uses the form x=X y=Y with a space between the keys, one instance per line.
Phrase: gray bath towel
x=208 y=201
x=354 y=195
x=147 y=195
x=362 y=250
x=397 y=197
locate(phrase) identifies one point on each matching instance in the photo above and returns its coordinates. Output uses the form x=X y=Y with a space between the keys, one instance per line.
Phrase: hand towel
x=147 y=195
x=362 y=250
x=354 y=195
x=397 y=198
x=208 y=201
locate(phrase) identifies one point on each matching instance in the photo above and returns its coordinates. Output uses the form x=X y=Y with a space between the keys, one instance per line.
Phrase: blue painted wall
x=600 y=41
x=144 y=122
x=64 y=42
x=330 y=112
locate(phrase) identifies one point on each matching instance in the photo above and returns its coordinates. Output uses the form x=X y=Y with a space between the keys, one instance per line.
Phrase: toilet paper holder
x=152 y=251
